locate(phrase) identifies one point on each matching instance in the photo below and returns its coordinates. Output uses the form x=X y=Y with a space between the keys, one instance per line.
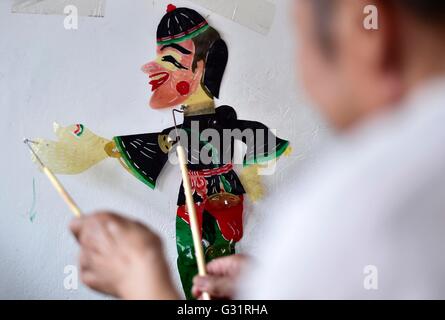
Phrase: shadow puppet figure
x=188 y=70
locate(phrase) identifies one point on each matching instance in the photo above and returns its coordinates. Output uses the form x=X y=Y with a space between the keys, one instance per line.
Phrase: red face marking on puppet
x=183 y=88
x=158 y=79
x=172 y=79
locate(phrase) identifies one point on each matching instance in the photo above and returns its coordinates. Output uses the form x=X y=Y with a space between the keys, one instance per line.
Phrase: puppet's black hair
x=211 y=49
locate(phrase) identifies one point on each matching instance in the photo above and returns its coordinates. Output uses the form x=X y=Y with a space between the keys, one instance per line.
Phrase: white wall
x=92 y=76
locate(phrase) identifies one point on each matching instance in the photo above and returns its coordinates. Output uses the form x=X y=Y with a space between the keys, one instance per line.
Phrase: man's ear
x=198 y=76
x=200 y=66
x=199 y=71
x=388 y=52
x=375 y=53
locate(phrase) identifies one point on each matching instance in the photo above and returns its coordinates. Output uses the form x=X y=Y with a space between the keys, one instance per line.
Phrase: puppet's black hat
x=180 y=24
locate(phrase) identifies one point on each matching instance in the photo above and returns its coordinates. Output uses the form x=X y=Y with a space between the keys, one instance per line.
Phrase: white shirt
x=369 y=221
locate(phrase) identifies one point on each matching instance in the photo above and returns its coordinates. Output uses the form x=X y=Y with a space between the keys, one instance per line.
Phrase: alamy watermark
x=71 y=21
x=371 y=280
x=71 y=280
x=371 y=21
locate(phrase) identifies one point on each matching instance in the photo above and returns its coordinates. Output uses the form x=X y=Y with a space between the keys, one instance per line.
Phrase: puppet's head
x=190 y=56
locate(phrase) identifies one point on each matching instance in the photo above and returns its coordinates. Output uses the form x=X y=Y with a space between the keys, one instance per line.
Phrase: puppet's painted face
x=172 y=79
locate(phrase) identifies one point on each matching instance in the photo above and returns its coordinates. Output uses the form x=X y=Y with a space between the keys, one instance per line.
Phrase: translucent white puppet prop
x=76 y=150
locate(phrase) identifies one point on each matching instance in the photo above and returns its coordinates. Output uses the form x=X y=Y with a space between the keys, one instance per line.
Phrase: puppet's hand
x=111 y=150
x=122 y=258
x=288 y=152
x=252 y=182
x=251 y=179
x=222 y=279
x=76 y=150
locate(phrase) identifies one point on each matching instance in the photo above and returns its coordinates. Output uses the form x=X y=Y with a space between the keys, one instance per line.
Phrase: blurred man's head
x=353 y=73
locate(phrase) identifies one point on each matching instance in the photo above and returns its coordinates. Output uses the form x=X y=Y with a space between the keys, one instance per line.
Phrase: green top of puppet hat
x=180 y=24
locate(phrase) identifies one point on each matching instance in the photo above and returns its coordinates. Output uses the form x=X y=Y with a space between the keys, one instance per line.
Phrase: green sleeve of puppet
x=143 y=156
x=282 y=145
x=261 y=150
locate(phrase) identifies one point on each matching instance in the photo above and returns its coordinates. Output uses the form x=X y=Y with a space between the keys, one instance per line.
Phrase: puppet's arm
x=78 y=149
x=263 y=147
x=143 y=155
x=262 y=143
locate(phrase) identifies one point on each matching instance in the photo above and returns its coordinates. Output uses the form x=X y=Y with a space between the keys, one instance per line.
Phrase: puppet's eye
x=173 y=61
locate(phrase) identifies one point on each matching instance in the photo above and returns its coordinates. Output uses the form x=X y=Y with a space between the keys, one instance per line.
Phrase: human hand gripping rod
x=56 y=183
